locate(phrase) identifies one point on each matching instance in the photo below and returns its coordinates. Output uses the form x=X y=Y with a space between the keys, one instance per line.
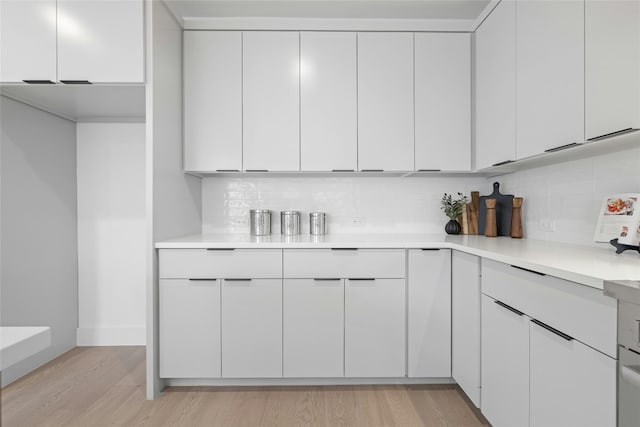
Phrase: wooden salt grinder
x=516 y=218
x=490 y=226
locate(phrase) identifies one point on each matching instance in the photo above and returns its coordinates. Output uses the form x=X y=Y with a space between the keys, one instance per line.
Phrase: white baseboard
x=221 y=382
x=89 y=337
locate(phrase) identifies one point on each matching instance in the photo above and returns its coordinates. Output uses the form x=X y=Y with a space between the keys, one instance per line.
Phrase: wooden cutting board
x=504 y=204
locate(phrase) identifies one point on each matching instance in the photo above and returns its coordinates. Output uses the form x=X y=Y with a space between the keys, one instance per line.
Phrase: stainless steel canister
x=260 y=220
x=290 y=223
x=317 y=223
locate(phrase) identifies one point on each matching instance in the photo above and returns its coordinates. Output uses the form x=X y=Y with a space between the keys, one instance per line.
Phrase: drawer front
x=582 y=312
x=220 y=264
x=345 y=264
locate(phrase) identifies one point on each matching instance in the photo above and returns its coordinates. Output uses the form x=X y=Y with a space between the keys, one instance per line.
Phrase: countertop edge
x=583 y=279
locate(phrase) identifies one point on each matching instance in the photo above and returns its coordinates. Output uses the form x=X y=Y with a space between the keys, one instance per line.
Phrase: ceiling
x=328 y=9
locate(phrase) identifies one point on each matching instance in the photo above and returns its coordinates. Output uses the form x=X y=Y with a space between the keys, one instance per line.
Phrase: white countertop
x=587 y=265
x=19 y=342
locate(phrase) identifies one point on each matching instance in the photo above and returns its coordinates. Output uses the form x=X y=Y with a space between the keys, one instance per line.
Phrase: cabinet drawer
x=219 y=264
x=341 y=263
x=582 y=312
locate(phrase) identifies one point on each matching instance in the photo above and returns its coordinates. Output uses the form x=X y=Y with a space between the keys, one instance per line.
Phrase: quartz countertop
x=587 y=265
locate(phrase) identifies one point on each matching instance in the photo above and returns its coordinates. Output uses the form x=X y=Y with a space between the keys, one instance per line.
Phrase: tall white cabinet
x=328 y=101
x=442 y=101
x=271 y=101
x=429 y=313
x=27 y=40
x=496 y=87
x=550 y=75
x=101 y=41
x=212 y=100
x=465 y=323
x=385 y=101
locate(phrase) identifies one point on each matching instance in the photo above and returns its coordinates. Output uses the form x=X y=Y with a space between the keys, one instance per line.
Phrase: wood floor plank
x=104 y=386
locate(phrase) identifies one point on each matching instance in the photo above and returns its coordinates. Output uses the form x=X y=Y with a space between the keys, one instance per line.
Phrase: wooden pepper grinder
x=516 y=218
x=490 y=225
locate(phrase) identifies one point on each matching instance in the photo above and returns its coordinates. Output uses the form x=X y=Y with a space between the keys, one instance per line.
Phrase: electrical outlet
x=548 y=225
x=357 y=221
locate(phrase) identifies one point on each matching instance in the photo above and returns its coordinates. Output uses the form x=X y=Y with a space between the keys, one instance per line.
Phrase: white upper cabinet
x=385 y=101
x=612 y=49
x=328 y=101
x=496 y=87
x=27 y=40
x=212 y=101
x=443 y=101
x=271 y=101
x=101 y=41
x=550 y=70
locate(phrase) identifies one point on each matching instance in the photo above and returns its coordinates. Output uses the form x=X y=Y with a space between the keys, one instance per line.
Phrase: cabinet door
x=496 y=87
x=429 y=305
x=374 y=328
x=27 y=40
x=550 y=70
x=465 y=323
x=571 y=384
x=612 y=66
x=101 y=41
x=443 y=101
x=212 y=100
x=313 y=328
x=252 y=328
x=271 y=101
x=505 y=364
x=385 y=101
x=328 y=101
x=189 y=328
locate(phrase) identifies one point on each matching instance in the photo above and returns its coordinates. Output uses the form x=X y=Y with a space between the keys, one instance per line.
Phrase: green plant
x=453 y=207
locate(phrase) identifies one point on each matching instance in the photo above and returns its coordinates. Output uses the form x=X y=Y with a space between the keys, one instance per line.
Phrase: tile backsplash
x=561 y=202
x=353 y=205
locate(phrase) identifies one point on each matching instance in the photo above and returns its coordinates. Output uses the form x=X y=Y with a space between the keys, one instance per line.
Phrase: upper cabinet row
x=72 y=41
x=540 y=91
x=326 y=101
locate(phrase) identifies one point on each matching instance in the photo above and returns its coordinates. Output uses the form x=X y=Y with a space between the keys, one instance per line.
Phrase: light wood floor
x=100 y=386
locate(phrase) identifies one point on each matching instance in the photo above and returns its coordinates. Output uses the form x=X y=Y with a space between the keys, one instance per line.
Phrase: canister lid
x=259 y=211
x=317 y=214
x=287 y=213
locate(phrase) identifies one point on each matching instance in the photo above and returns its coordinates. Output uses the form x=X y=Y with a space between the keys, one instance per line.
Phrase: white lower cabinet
x=465 y=323
x=313 y=328
x=189 y=328
x=252 y=328
x=375 y=328
x=505 y=364
x=571 y=383
x=429 y=313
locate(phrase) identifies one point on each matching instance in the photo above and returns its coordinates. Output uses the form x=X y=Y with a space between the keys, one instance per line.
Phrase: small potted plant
x=453 y=208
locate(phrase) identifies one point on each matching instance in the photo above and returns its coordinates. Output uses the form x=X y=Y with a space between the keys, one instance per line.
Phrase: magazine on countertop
x=620 y=219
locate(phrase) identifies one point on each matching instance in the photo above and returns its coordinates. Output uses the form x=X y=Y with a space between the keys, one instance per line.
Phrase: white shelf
x=20 y=342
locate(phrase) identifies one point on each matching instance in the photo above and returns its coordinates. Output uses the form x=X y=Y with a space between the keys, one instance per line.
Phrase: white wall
x=570 y=194
x=39 y=241
x=173 y=199
x=111 y=234
x=385 y=204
